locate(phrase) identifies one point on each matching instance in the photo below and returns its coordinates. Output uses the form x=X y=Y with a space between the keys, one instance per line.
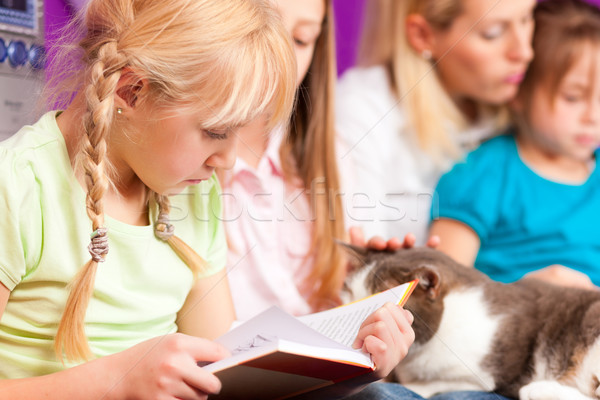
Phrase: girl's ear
x=129 y=88
x=419 y=34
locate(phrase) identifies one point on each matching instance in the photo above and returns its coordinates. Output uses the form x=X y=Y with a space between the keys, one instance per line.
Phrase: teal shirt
x=524 y=221
x=45 y=233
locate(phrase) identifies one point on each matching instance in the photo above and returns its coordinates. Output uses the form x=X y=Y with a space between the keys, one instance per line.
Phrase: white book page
x=342 y=323
x=271 y=325
x=328 y=330
x=267 y=331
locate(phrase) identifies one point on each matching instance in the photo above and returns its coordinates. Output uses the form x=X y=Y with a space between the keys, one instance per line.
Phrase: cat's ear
x=357 y=255
x=429 y=280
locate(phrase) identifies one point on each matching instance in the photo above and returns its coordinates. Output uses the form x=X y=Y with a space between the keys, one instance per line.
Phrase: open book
x=276 y=356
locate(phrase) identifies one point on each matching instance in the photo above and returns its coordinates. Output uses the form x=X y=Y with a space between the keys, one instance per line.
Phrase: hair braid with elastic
x=103 y=77
x=234 y=60
x=165 y=231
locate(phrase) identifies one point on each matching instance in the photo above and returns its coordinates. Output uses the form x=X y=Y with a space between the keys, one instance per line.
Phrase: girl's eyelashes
x=216 y=135
x=572 y=97
x=305 y=36
x=493 y=32
x=300 y=43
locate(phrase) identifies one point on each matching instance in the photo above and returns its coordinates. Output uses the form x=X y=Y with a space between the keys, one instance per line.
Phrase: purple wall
x=348 y=15
x=348 y=20
x=57 y=16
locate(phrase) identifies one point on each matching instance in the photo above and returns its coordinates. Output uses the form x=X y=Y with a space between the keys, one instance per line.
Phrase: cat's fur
x=527 y=340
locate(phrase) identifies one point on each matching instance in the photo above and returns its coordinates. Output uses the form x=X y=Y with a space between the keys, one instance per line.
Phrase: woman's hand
x=386 y=335
x=563 y=276
x=357 y=238
x=166 y=368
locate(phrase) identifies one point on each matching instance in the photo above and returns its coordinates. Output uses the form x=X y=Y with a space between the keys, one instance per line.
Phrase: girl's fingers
x=433 y=241
x=387 y=335
x=200 y=382
x=377 y=243
x=205 y=350
x=409 y=241
x=380 y=323
x=399 y=323
x=357 y=237
x=378 y=329
x=394 y=244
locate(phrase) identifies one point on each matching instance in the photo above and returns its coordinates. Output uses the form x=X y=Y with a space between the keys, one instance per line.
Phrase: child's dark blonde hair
x=564 y=29
x=231 y=57
x=309 y=152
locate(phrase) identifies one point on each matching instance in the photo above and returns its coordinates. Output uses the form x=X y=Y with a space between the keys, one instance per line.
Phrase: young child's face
x=303 y=21
x=169 y=153
x=568 y=124
x=483 y=56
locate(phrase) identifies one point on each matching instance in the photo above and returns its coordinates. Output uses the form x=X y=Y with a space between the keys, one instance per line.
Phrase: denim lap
x=389 y=391
x=469 y=395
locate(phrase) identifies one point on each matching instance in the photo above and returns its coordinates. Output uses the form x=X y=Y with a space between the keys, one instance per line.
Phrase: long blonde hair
x=232 y=57
x=413 y=78
x=309 y=152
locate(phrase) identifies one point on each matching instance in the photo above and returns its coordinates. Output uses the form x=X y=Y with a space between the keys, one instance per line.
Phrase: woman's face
x=303 y=20
x=485 y=52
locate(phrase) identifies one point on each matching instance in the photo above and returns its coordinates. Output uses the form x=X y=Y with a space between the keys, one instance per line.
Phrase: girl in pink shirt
x=283 y=209
x=282 y=200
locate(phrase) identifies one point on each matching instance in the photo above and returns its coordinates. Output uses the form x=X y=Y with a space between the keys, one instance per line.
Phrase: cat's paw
x=537 y=391
x=550 y=390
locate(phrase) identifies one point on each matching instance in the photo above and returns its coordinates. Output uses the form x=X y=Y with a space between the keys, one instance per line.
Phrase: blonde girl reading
x=98 y=266
x=432 y=77
x=524 y=203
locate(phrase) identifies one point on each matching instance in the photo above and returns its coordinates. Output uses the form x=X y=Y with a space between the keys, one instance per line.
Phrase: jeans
x=389 y=391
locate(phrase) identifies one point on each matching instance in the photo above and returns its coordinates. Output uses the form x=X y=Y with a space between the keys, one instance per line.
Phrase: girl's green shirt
x=45 y=232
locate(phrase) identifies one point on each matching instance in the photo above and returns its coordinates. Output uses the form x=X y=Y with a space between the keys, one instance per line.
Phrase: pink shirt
x=268 y=224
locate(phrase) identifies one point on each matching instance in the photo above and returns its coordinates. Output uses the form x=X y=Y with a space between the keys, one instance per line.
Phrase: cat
x=529 y=339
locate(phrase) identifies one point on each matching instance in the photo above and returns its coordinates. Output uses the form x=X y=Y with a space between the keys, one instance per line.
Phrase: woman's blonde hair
x=564 y=29
x=231 y=57
x=413 y=78
x=309 y=152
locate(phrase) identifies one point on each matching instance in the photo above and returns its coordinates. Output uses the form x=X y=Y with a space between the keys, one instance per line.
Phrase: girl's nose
x=224 y=157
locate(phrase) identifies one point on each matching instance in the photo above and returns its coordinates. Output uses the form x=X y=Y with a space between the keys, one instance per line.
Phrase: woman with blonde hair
x=96 y=272
x=432 y=80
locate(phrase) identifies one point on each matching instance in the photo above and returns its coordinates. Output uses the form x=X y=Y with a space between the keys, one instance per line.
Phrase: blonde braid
x=104 y=75
x=165 y=231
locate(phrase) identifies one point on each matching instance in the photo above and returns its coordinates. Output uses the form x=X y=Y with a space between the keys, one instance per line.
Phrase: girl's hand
x=386 y=335
x=563 y=276
x=357 y=238
x=166 y=368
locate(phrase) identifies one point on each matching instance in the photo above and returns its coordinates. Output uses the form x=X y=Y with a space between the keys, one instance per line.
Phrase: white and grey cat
x=527 y=340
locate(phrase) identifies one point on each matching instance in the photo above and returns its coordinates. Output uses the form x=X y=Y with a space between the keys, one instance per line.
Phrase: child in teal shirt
x=526 y=203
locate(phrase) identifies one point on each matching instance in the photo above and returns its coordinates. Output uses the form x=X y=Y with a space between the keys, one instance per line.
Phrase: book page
x=269 y=326
x=332 y=331
x=342 y=323
x=274 y=328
